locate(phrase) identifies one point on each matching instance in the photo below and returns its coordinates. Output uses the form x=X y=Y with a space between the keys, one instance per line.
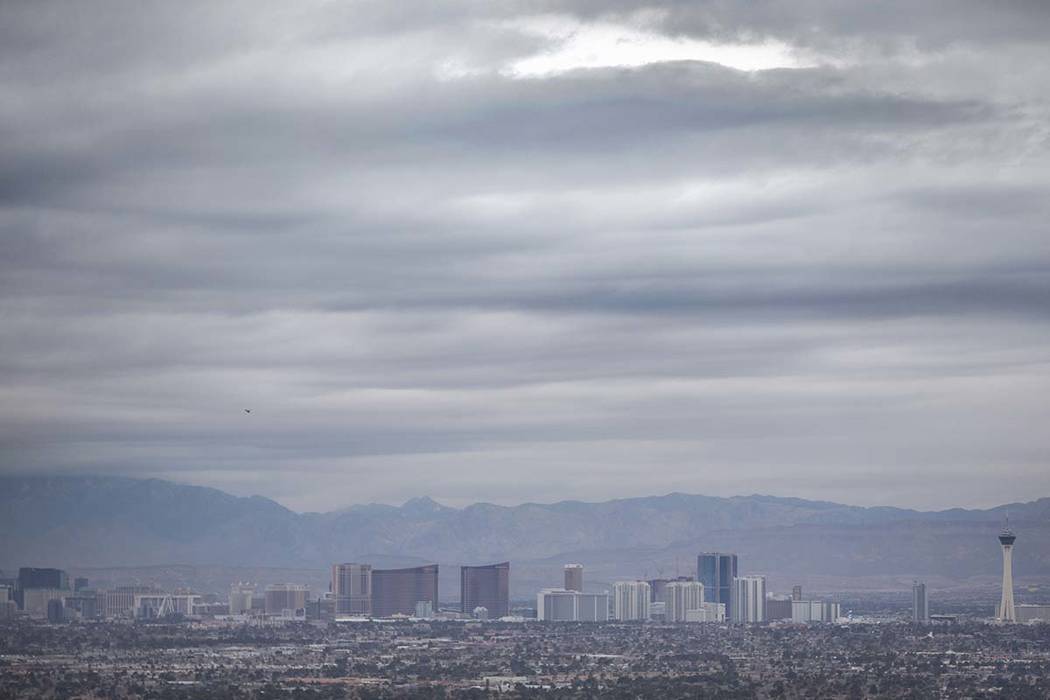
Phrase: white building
x=680 y=597
x=748 y=599
x=241 y=598
x=707 y=612
x=559 y=604
x=920 y=603
x=1032 y=613
x=631 y=600
x=35 y=600
x=165 y=604
x=424 y=609
x=809 y=611
x=1005 y=610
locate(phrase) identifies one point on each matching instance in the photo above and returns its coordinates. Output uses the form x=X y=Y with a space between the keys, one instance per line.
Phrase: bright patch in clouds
x=603 y=45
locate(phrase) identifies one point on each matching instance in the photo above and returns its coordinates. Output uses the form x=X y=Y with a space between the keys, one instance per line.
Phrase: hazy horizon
x=347 y=253
x=511 y=502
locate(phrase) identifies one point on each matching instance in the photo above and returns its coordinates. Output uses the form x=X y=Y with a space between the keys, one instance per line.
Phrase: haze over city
x=514 y=252
x=368 y=350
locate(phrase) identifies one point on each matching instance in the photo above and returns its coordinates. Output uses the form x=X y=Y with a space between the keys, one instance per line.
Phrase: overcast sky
x=529 y=251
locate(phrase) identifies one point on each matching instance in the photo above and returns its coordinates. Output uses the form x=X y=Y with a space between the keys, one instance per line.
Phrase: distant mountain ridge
x=120 y=521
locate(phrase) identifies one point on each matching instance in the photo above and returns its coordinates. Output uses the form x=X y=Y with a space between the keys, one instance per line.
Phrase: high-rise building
x=397 y=591
x=120 y=602
x=56 y=611
x=748 y=599
x=80 y=583
x=241 y=598
x=920 y=603
x=30 y=578
x=657 y=585
x=35 y=601
x=574 y=577
x=556 y=605
x=485 y=586
x=679 y=597
x=592 y=607
x=796 y=593
x=1028 y=613
x=81 y=607
x=631 y=600
x=352 y=589
x=809 y=611
x=778 y=609
x=287 y=599
x=716 y=570
x=559 y=604
x=1006 y=605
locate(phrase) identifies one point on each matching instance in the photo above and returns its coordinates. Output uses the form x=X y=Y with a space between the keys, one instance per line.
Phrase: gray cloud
x=828 y=281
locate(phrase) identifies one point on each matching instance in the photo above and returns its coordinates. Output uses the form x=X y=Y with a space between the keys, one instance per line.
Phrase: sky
x=529 y=251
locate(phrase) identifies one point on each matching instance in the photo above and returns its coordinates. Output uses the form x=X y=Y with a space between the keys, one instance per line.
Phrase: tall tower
x=920 y=603
x=574 y=577
x=716 y=570
x=1006 y=606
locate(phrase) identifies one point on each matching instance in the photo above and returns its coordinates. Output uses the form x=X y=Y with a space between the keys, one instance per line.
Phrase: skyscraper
x=680 y=597
x=487 y=587
x=561 y=605
x=396 y=591
x=1006 y=605
x=716 y=571
x=574 y=577
x=920 y=603
x=30 y=578
x=241 y=598
x=631 y=600
x=748 y=599
x=286 y=599
x=352 y=589
x=657 y=586
x=796 y=593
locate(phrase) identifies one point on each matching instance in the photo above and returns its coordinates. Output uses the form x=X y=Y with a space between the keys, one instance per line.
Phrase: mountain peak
x=423 y=505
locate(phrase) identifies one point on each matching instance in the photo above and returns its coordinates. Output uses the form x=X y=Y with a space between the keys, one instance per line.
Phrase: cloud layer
x=427 y=268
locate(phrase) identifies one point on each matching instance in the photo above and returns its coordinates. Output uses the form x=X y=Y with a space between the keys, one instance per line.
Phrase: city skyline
x=358 y=591
x=365 y=350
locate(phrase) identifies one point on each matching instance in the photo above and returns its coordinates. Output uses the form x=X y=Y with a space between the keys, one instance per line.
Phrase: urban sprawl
x=385 y=633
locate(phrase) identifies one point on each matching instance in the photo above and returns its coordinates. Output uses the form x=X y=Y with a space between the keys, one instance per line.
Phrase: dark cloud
x=426 y=275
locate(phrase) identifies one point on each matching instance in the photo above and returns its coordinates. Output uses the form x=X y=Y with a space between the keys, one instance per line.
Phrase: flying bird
x=247 y=410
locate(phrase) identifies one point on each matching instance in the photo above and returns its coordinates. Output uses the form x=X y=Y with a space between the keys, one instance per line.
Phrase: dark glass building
x=42 y=578
x=29 y=578
x=396 y=591
x=716 y=570
x=486 y=587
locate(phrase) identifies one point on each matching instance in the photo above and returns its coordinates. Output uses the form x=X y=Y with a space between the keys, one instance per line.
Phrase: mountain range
x=106 y=522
